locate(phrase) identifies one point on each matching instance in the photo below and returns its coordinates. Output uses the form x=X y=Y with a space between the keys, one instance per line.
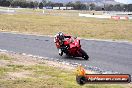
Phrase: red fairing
x=75 y=48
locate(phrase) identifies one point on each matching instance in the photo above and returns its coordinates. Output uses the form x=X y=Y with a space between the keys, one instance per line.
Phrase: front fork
x=63 y=50
x=60 y=51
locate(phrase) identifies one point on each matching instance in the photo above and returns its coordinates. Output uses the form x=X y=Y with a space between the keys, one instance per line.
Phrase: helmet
x=60 y=36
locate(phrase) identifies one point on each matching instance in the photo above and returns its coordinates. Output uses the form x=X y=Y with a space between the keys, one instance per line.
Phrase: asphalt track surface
x=108 y=56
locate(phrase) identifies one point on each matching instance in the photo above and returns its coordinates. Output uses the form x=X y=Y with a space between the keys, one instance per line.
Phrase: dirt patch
x=24 y=61
x=4 y=63
x=27 y=61
x=15 y=75
x=59 y=65
x=45 y=77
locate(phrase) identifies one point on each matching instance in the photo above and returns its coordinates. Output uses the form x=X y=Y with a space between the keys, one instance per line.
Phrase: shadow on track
x=72 y=58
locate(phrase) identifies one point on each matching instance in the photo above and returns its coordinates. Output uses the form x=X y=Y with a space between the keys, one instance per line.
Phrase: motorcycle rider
x=61 y=37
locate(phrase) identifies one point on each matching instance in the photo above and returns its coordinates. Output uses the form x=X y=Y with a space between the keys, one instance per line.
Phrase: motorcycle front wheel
x=60 y=52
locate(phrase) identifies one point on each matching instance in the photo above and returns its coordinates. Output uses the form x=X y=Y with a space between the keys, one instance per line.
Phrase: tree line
x=76 y=5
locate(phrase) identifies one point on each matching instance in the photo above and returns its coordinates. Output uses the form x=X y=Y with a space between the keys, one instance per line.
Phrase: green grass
x=49 y=77
x=43 y=76
x=10 y=68
x=14 y=67
x=78 y=26
x=3 y=71
x=5 y=57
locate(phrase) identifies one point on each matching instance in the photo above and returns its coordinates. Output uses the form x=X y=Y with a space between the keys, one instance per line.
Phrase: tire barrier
x=115 y=17
x=120 y=17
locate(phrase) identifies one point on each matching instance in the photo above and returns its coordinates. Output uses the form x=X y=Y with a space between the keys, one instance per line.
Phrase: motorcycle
x=72 y=47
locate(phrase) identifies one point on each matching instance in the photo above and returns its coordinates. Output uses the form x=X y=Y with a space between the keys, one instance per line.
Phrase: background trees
x=77 y=5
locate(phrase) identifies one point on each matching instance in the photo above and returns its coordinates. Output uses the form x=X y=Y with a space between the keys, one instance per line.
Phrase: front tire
x=60 y=52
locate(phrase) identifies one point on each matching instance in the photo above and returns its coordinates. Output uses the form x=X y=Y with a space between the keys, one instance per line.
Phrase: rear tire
x=84 y=54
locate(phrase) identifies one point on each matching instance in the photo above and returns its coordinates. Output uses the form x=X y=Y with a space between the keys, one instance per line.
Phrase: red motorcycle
x=71 y=47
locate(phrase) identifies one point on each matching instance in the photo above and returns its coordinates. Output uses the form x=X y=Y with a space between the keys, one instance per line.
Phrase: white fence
x=94 y=16
x=106 y=16
x=7 y=10
x=56 y=8
x=118 y=13
x=63 y=8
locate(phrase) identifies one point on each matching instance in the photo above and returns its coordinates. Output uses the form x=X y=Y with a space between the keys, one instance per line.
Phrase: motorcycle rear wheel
x=84 y=54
